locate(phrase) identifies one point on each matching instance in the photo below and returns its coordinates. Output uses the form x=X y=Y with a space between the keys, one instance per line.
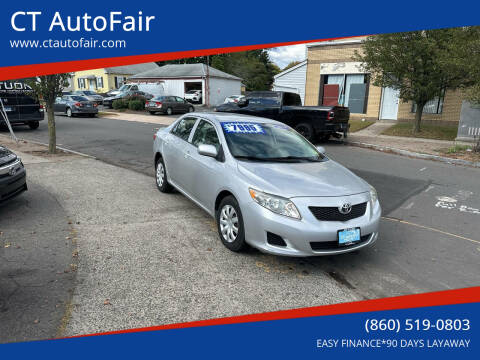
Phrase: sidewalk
x=371 y=137
x=143 y=118
x=147 y=258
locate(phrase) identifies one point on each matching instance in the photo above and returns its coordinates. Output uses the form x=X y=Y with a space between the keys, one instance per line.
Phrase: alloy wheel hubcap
x=160 y=174
x=229 y=224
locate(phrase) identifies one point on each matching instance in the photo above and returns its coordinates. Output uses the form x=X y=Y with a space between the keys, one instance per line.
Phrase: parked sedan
x=168 y=105
x=90 y=95
x=72 y=105
x=266 y=185
x=194 y=96
x=13 y=177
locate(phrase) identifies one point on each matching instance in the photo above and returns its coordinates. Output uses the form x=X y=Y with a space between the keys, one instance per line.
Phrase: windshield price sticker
x=243 y=128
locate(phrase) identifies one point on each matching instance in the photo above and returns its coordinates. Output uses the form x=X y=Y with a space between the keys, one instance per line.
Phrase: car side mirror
x=321 y=149
x=242 y=102
x=207 y=150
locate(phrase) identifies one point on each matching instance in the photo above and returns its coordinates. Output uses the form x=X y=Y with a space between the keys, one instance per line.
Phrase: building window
x=81 y=83
x=99 y=82
x=434 y=106
x=350 y=90
x=119 y=81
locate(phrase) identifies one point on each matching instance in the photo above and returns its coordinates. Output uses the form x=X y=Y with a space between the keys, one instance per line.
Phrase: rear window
x=158 y=98
x=78 y=98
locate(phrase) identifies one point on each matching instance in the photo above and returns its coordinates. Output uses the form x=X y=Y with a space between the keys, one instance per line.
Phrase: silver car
x=266 y=185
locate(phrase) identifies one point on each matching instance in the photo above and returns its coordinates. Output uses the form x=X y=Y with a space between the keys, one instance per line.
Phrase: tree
x=419 y=64
x=291 y=64
x=48 y=87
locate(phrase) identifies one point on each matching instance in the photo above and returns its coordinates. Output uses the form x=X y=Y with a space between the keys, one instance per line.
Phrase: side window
x=170 y=99
x=179 y=99
x=183 y=128
x=134 y=87
x=206 y=134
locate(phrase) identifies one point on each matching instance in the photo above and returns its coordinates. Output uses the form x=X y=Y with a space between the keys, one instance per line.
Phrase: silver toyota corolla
x=266 y=185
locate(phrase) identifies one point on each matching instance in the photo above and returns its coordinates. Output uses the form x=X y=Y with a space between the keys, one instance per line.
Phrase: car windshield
x=268 y=142
x=124 y=88
x=89 y=93
x=192 y=92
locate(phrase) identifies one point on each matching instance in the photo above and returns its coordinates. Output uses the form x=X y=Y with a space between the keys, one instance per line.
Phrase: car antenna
x=5 y=117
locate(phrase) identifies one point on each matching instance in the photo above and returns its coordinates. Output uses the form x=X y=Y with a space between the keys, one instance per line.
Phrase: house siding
x=293 y=81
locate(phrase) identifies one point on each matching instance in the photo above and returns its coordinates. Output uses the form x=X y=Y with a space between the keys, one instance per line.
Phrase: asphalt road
x=429 y=234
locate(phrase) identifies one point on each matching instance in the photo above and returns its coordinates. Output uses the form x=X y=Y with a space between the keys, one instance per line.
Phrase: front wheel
x=33 y=125
x=306 y=130
x=191 y=109
x=161 y=177
x=230 y=224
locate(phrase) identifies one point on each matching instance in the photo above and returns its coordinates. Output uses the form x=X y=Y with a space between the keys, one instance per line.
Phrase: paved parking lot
x=157 y=258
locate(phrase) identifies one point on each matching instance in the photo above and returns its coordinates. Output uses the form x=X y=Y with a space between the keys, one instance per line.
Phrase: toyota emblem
x=345 y=208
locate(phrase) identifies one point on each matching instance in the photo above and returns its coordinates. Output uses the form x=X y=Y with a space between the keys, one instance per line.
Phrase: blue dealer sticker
x=243 y=128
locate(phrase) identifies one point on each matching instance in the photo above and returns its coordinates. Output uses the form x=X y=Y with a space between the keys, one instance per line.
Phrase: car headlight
x=276 y=204
x=373 y=195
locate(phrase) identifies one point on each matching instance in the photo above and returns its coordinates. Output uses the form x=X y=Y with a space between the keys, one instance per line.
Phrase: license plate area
x=348 y=236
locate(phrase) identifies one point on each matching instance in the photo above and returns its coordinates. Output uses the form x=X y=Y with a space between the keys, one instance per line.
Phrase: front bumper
x=11 y=186
x=301 y=237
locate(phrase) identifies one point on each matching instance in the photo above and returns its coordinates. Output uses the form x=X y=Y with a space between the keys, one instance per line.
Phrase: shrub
x=136 y=105
x=119 y=104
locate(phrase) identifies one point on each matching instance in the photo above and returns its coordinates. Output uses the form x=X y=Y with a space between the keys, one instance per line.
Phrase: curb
x=59 y=148
x=416 y=155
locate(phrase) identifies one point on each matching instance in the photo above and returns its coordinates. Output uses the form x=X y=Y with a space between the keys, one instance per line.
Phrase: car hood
x=6 y=156
x=289 y=180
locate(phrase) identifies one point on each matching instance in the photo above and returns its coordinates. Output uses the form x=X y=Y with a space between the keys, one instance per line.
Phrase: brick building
x=334 y=77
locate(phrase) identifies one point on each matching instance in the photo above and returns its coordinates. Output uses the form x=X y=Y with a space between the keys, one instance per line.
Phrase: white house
x=177 y=79
x=292 y=80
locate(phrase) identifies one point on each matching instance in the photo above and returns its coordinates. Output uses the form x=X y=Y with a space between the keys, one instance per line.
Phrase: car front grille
x=332 y=213
x=333 y=245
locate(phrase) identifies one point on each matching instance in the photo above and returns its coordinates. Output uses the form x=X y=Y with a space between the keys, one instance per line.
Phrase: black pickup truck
x=310 y=121
x=20 y=104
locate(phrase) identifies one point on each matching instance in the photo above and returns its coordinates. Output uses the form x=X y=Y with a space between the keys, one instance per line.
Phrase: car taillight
x=158 y=104
x=78 y=104
x=41 y=106
x=95 y=104
x=330 y=115
x=154 y=136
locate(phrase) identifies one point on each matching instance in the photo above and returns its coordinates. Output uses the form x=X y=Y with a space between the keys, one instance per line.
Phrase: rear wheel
x=69 y=112
x=230 y=224
x=33 y=125
x=169 y=111
x=306 y=130
x=161 y=177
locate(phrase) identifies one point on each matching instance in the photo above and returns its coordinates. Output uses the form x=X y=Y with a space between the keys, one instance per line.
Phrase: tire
x=325 y=137
x=161 y=177
x=69 y=112
x=152 y=112
x=228 y=210
x=306 y=130
x=169 y=111
x=191 y=109
x=33 y=125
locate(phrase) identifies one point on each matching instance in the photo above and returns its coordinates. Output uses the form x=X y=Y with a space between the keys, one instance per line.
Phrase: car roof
x=220 y=117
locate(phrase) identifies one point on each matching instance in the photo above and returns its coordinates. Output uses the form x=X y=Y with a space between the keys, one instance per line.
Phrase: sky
x=283 y=55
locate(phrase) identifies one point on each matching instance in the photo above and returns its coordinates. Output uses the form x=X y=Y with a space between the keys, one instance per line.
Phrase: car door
x=206 y=171
x=182 y=105
x=56 y=105
x=176 y=151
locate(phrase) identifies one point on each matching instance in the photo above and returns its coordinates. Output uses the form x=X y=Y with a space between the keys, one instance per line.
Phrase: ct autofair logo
x=345 y=208
x=9 y=85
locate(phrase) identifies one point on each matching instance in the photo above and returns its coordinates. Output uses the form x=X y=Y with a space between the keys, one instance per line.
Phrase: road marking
x=431 y=229
x=422 y=169
x=409 y=206
x=430 y=187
